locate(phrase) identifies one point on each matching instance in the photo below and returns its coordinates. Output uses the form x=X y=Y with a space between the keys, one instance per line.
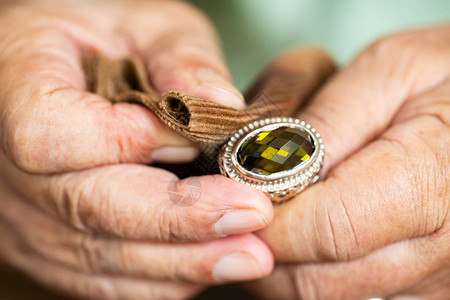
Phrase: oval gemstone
x=276 y=150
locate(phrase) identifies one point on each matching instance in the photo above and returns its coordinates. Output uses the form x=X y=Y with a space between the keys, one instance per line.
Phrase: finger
x=141 y=202
x=292 y=77
x=50 y=123
x=235 y=258
x=409 y=268
x=383 y=194
x=89 y=286
x=361 y=101
x=184 y=54
x=394 y=270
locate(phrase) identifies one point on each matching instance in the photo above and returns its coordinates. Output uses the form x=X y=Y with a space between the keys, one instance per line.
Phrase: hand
x=77 y=211
x=378 y=225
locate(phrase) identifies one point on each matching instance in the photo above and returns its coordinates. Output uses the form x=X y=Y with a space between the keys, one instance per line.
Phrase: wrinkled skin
x=80 y=214
x=79 y=211
x=378 y=225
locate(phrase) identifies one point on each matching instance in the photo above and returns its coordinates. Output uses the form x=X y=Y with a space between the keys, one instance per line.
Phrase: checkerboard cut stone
x=277 y=150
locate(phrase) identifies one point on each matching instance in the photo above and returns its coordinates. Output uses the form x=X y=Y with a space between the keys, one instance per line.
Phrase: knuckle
x=336 y=235
x=81 y=203
x=119 y=259
x=169 y=227
x=405 y=49
x=396 y=44
x=93 y=204
x=176 y=225
x=179 y=219
x=100 y=255
x=70 y=204
x=90 y=254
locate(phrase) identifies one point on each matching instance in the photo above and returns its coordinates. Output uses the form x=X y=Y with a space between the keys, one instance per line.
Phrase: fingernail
x=239 y=221
x=174 y=154
x=237 y=266
x=220 y=89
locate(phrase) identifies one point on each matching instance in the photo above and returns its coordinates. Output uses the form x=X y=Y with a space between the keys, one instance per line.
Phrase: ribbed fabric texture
x=286 y=84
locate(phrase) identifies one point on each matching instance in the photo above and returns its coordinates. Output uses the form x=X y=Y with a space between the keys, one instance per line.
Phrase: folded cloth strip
x=282 y=88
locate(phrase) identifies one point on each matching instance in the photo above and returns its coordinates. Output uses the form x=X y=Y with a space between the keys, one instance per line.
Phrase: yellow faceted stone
x=277 y=150
x=269 y=152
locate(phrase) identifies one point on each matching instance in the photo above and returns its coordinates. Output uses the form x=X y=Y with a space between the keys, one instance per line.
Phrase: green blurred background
x=253 y=31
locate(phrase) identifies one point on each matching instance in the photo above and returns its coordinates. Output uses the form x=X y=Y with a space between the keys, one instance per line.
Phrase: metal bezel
x=279 y=185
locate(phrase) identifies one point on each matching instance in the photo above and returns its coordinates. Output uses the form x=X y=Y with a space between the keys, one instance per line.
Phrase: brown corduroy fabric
x=284 y=85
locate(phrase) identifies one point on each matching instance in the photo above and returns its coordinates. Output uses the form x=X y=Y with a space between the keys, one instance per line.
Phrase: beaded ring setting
x=278 y=156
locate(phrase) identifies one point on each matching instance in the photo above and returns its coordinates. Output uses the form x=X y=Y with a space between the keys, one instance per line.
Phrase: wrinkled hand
x=378 y=225
x=77 y=211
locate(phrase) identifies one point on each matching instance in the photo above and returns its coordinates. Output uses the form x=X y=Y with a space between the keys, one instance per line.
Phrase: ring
x=278 y=156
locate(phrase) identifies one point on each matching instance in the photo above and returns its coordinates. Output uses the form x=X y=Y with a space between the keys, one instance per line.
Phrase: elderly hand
x=378 y=225
x=78 y=213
